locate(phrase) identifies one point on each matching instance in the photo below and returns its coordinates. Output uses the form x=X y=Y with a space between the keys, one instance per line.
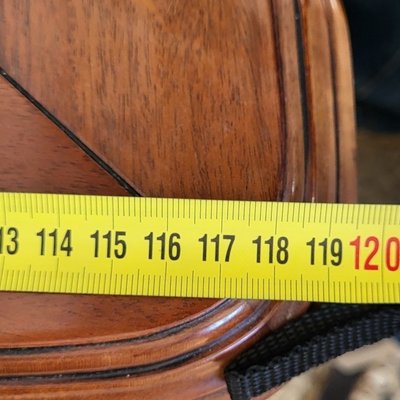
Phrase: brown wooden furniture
x=236 y=99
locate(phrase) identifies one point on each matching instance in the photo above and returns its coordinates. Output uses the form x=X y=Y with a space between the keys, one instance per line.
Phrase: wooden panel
x=36 y=156
x=138 y=78
x=184 y=99
x=149 y=100
x=73 y=340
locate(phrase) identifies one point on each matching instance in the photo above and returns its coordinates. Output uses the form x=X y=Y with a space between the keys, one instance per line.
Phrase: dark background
x=375 y=36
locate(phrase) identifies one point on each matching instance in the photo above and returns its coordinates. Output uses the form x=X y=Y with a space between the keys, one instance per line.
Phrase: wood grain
x=341 y=69
x=138 y=79
x=239 y=99
x=37 y=157
x=73 y=340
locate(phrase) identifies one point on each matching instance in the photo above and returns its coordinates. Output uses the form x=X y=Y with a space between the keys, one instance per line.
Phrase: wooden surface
x=79 y=341
x=138 y=78
x=241 y=100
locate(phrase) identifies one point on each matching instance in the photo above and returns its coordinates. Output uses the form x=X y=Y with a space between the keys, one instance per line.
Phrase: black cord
x=318 y=336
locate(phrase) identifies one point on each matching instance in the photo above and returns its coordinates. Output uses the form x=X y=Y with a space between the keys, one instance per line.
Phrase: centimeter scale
x=199 y=248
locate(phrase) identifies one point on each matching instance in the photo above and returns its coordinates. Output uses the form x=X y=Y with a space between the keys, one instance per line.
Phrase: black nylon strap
x=318 y=336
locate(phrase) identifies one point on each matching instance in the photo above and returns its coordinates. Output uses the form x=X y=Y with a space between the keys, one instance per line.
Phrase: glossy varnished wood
x=244 y=100
x=74 y=340
x=341 y=69
x=159 y=77
x=329 y=118
x=36 y=156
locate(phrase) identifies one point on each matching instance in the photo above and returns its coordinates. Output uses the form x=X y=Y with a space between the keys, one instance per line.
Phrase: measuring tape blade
x=199 y=248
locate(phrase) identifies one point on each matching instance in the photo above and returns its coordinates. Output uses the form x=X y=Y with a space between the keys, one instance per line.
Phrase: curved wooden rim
x=149 y=335
x=233 y=321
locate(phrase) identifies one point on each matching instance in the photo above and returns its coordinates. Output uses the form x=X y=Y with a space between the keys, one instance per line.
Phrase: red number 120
x=392 y=253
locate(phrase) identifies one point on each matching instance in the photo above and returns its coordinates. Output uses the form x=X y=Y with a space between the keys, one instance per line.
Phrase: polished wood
x=47 y=338
x=138 y=78
x=36 y=156
x=341 y=70
x=331 y=174
x=240 y=100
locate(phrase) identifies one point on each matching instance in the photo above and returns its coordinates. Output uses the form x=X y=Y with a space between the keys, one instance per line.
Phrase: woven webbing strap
x=318 y=336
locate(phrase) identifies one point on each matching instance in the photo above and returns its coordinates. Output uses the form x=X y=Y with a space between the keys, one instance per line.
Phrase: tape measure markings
x=200 y=248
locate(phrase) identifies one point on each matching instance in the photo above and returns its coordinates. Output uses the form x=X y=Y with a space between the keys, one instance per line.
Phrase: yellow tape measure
x=199 y=248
